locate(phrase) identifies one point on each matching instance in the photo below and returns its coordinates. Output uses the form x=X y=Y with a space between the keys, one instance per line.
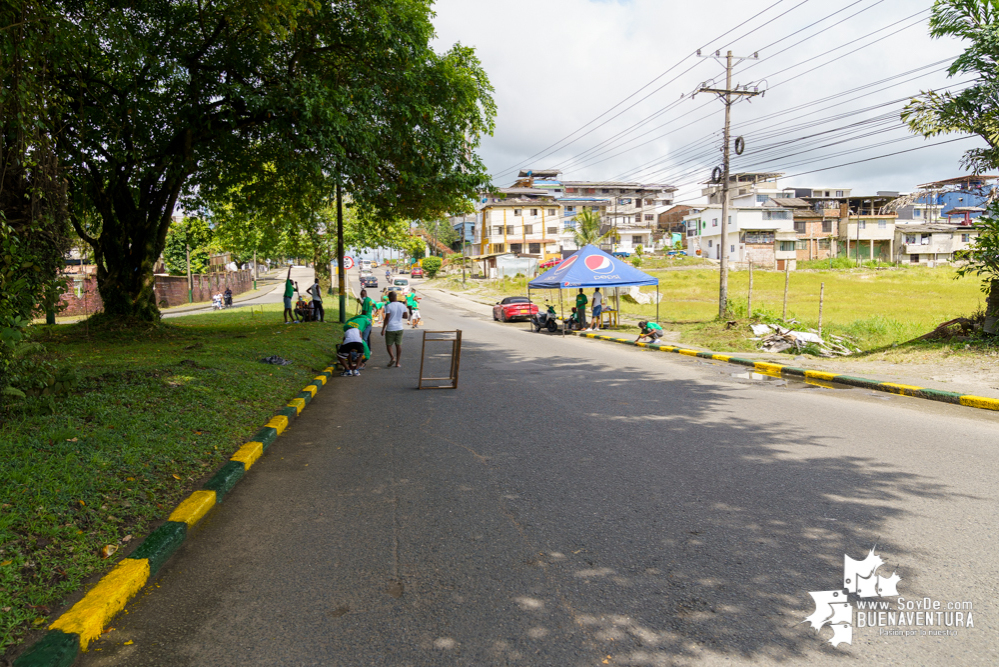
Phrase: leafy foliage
x=431 y=265
x=193 y=232
x=588 y=230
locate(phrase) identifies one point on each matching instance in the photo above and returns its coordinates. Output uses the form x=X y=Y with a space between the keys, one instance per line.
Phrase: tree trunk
x=992 y=308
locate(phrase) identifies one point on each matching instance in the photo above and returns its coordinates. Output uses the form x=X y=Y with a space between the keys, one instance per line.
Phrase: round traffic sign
x=348 y=262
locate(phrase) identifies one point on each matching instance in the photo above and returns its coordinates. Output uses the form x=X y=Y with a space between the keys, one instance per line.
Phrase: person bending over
x=352 y=352
x=651 y=332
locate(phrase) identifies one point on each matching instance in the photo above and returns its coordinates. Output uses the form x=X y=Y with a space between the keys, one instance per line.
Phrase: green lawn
x=156 y=412
x=876 y=307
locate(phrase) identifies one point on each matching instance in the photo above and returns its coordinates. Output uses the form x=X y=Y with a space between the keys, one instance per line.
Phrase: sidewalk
x=978 y=376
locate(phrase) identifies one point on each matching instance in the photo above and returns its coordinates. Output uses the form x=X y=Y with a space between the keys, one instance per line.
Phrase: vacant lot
x=876 y=307
x=156 y=412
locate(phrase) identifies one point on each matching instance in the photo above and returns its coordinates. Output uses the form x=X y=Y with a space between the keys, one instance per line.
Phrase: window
x=570 y=224
x=570 y=209
x=924 y=240
x=624 y=201
x=786 y=246
x=534 y=212
x=827 y=193
x=882 y=224
x=665 y=202
x=910 y=238
x=799 y=227
x=534 y=248
x=839 y=193
x=916 y=213
x=552 y=230
x=785 y=195
x=605 y=191
x=765 y=238
x=649 y=217
x=528 y=229
x=516 y=247
x=825 y=244
x=827 y=226
x=777 y=215
x=801 y=245
x=965 y=238
x=709 y=243
x=714 y=222
x=498 y=247
x=570 y=190
x=691 y=231
x=638 y=218
x=516 y=211
x=650 y=202
x=636 y=240
x=595 y=209
x=760 y=199
x=589 y=191
x=862 y=224
x=914 y=259
x=732 y=249
x=509 y=229
x=552 y=211
x=499 y=230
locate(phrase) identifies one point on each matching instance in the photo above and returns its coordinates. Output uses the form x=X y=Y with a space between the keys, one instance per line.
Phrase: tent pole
x=561 y=311
x=657 y=302
x=530 y=303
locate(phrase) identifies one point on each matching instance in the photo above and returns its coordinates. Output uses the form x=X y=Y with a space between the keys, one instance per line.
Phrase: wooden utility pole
x=822 y=298
x=787 y=280
x=729 y=96
x=749 y=302
x=190 y=280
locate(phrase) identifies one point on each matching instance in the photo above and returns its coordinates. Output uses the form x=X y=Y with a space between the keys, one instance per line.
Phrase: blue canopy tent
x=591 y=267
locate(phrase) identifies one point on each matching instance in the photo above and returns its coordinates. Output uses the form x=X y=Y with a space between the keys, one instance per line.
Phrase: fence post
x=749 y=304
x=822 y=296
x=787 y=279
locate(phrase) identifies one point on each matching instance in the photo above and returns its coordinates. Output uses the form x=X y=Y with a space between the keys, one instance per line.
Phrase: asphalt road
x=578 y=503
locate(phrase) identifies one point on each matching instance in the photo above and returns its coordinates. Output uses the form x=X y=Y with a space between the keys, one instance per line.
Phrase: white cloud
x=558 y=64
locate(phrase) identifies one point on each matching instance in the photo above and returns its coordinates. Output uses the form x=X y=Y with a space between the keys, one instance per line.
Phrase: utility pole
x=190 y=280
x=341 y=277
x=729 y=96
x=256 y=271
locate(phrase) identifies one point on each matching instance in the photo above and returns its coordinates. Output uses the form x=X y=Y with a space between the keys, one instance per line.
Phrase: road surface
x=578 y=503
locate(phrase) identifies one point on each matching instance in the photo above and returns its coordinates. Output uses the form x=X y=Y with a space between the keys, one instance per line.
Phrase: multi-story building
x=518 y=220
x=815 y=227
x=931 y=244
x=630 y=209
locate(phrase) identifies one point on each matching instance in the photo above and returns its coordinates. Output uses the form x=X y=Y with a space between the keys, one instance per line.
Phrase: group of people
x=222 y=300
x=355 y=351
x=577 y=320
x=303 y=311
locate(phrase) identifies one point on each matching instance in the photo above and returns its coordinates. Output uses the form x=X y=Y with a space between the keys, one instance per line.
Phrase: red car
x=417 y=272
x=514 y=308
x=549 y=264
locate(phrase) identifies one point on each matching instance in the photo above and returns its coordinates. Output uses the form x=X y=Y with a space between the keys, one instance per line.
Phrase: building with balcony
x=931 y=245
x=519 y=220
x=815 y=227
x=867 y=228
x=630 y=209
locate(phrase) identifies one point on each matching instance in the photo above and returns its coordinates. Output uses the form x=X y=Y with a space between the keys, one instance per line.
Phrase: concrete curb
x=817 y=377
x=84 y=622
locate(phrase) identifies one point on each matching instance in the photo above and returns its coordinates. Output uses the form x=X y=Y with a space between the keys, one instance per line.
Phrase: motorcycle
x=547 y=320
x=227 y=299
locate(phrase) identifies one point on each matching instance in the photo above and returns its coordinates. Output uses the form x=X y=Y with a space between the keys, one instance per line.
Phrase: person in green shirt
x=414 y=309
x=364 y=325
x=581 y=302
x=290 y=287
x=366 y=304
x=650 y=330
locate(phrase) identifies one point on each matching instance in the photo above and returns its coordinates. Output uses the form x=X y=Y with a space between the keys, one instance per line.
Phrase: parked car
x=401 y=282
x=622 y=254
x=550 y=263
x=514 y=308
x=369 y=281
x=417 y=272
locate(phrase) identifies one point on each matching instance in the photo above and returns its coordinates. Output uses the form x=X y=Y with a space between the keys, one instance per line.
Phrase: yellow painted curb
x=248 y=454
x=903 y=389
x=312 y=389
x=689 y=353
x=298 y=404
x=89 y=616
x=321 y=379
x=328 y=369
x=641 y=344
x=773 y=370
x=721 y=357
x=279 y=423
x=820 y=375
x=980 y=402
x=194 y=508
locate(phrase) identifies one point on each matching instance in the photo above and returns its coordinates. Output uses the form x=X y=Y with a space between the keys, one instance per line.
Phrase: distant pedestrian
x=413 y=304
x=317 y=301
x=289 y=292
x=395 y=313
x=598 y=307
x=650 y=331
x=581 y=302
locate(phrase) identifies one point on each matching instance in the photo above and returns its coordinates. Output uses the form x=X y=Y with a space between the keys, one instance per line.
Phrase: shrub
x=431 y=265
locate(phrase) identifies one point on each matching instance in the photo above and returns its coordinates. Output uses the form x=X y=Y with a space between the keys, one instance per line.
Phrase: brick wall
x=82 y=298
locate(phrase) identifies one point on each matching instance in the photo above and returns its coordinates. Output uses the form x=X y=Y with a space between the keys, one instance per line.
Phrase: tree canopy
x=222 y=97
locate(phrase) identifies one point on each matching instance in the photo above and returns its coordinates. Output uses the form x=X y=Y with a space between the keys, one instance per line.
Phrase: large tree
x=170 y=95
x=973 y=110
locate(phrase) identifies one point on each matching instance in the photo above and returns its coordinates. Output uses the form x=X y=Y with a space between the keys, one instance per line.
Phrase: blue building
x=961 y=193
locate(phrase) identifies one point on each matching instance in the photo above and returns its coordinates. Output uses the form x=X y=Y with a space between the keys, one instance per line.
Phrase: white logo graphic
x=860 y=577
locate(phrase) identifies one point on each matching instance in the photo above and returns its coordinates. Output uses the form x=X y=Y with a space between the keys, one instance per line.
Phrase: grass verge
x=156 y=411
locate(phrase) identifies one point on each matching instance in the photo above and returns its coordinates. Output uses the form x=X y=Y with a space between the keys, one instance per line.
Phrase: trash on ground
x=276 y=360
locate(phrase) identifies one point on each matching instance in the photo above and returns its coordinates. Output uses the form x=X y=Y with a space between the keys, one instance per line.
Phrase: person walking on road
x=581 y=301
x=289 y=292
x=395 y=313
x=317 y=301
x=413 y=304
x=598 y=306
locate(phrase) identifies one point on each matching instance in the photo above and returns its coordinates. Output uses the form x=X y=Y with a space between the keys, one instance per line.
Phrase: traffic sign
x=348 y=262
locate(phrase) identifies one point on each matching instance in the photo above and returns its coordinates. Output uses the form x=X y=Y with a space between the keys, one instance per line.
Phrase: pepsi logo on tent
x=564 y=266
x=599 y=264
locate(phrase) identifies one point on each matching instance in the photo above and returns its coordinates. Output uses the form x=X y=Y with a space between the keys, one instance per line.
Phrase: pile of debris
x=958 y=329
x=775 y=338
